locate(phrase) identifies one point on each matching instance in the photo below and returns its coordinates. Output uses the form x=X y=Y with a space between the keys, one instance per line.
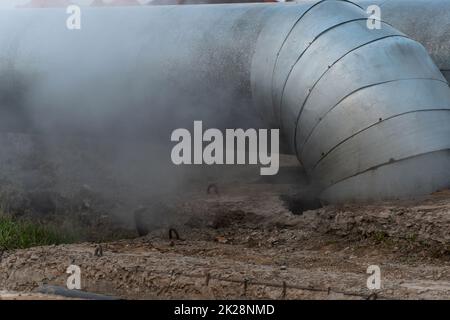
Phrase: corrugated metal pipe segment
x=367 y=112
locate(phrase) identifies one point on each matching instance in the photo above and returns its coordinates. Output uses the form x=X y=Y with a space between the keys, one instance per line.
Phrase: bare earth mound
x=246 y=243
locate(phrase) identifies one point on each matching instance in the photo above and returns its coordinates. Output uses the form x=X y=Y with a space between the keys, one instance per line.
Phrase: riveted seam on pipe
x=385 y=164
x=325 y=72
x=373 y=125
x=393 y=75
x=299 y=154
x=372 y=147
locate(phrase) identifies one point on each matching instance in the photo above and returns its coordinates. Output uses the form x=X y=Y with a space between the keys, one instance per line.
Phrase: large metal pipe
x=366 y=111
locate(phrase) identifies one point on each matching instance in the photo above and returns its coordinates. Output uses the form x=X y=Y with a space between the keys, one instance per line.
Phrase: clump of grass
x=19 y=234
x=380 y=236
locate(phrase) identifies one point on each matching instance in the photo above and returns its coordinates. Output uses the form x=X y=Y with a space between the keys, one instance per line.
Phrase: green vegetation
x=18 y=233
x=380 y=236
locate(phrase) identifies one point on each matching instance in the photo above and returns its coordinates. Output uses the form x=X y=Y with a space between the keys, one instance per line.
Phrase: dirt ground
x=246 y=242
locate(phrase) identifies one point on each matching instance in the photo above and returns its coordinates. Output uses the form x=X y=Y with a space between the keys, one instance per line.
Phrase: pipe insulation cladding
x=366 y=111
x=424 y=21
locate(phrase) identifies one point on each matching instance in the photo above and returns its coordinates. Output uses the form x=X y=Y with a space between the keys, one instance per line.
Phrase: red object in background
x=46 y=3
x=99 y=3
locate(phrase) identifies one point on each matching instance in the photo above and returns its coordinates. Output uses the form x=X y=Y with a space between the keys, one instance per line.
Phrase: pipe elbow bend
x=365 y=109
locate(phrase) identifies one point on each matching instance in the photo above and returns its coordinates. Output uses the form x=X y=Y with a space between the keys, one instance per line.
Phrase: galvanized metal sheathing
x=366 y=111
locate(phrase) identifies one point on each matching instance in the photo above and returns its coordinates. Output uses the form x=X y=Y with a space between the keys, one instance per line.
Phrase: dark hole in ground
x=297 y=204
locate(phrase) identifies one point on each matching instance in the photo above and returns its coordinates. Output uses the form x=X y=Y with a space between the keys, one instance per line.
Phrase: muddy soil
x=259 y=241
